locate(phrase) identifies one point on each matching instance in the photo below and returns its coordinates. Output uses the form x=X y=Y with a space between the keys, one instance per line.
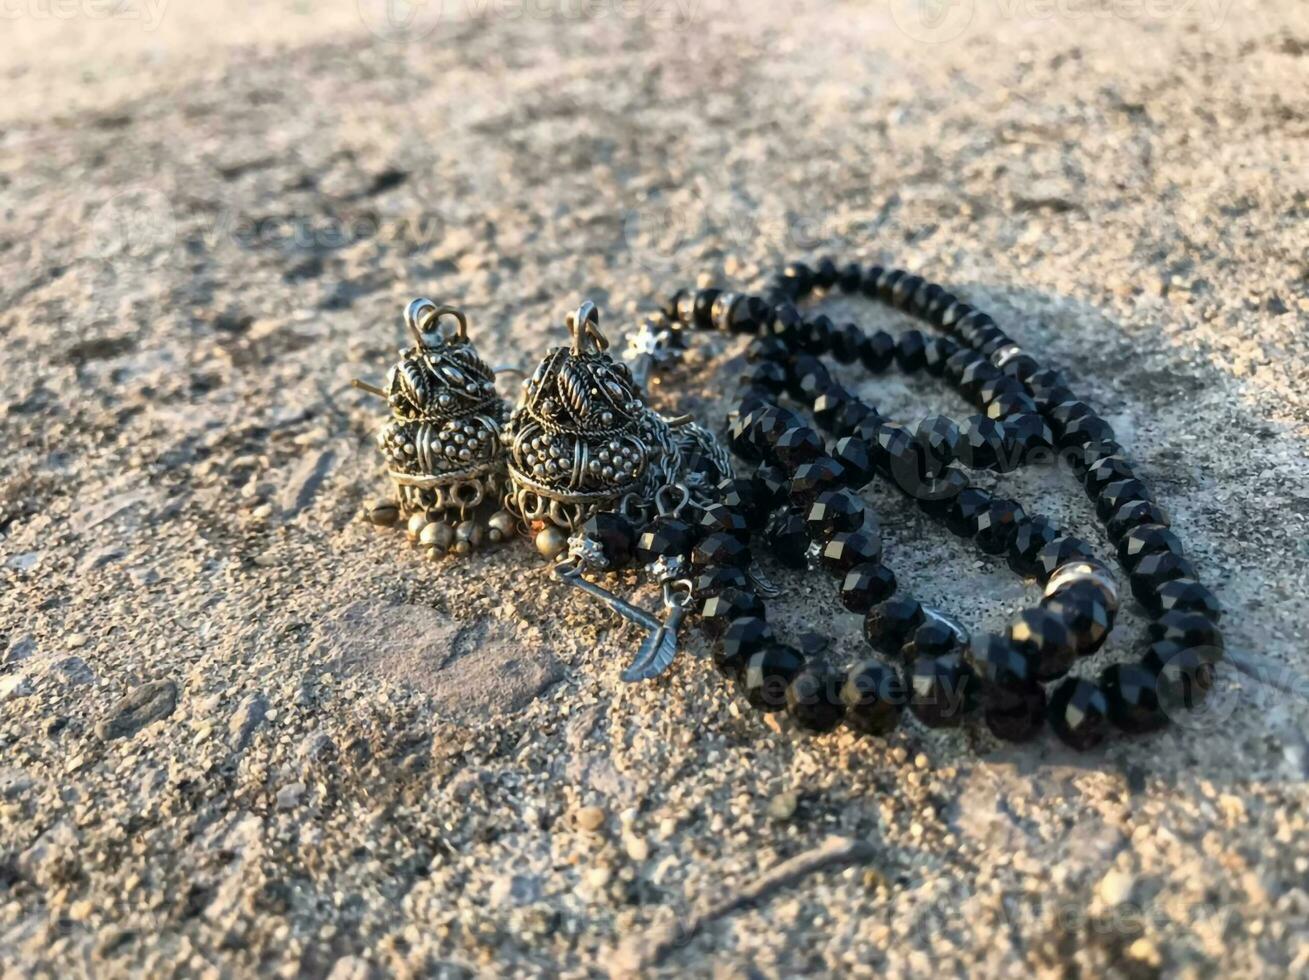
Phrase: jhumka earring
x=442 y=441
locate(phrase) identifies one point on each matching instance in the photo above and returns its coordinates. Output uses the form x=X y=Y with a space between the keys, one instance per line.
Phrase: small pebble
x=783 y=806
x=590 y=818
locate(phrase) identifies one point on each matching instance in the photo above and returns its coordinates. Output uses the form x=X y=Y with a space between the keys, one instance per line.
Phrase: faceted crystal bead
x=997 y=525
x=1146 y=539
x=755 y=398
x=1025 y=547
x=1185 y=675
x=981 y=442
x=852 y=413
x=1060 y=552
x=767 y=675
x=1043 y=636
x=742 y=639
x=1027 y=440
x=849 y=277
x=1084 y=430
x=936 y=497
x=713 y=581
x=613 y=536
x=811 y=479
x=787 y=538
x=1005 y=406
x=1132 y=693
x=890 y=623
x=1021 y=366
x=938 y=351
x=1013 y=702
x=808 y=378
x=747 y=316
x=845 y=343
x=909 y=350
x=832 y=512
x=1079 y=713
x=942 y=690
x=773 y=484
x=1046 y=378
x=876 y=351
x=797 y=446
x=766 y=425
x=932 y=639
x=866 y=585
x=1118 y=493
x=745 y=497
x=976 y=374
x=741 y=436
x=965 y=514
x=798 y=279
x=719 y=518
x=1065 y=413
x=785 y=324
x=813 y=698
x=997 y=387
x=825 y=273
x=957 y=363
x=1105 y=471
x=718 y=612
x=1152 y=571
x=817 y=336
x=1187 y=629
x=766 y=349
x=828 y=405
x=1134 y=514
x=874 y=695
x=720 y=549
x=769 y=375
x=853 y=455
x=1188 y=595
x=904 y=290
x=665 y=537
x=1080 y=459
x=847 y=549
x=1083 y=611
x=939 y=438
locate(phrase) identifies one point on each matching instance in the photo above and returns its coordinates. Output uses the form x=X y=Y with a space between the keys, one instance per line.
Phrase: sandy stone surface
x=243 y=731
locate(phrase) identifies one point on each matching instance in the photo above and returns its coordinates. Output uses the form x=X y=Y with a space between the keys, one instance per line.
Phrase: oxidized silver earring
x=442 y=442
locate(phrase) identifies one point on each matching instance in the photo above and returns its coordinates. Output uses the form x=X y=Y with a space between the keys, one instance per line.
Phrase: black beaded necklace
x=802 y=501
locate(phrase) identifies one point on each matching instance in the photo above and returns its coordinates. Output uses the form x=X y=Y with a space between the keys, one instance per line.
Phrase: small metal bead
x=551 y=542
x=500 y=526
x=438 y=535
x=469 y=532
x=415 y=527
x=383 y=514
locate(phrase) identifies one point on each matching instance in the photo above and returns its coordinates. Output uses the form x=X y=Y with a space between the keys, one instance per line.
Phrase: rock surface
x=243 y=731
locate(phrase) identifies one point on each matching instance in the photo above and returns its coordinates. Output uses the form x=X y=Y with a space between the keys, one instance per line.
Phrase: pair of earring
x=580 y=441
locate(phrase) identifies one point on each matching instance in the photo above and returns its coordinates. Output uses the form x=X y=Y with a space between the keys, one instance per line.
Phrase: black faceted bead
x=798 y=279
x=1187 y=629
x=832 y=512
x=1188 y=595
x=1079 y=713
x=719 y=549
x=808 y=376
x=898 y=456
x=1060 y=552
x=877 y=350
x=938 y=351
x=872 y=276
x=997 y=525
x=744 y=496
x=966 y=512
x=786 y=324
x=974 y=376
x=852 y=413
x=997 y=387
x=1185 y=675
x=747 y=315
x=1044 y=637
x=847 y=549
x=1132 y=693
x=1065 y=413
x=1105 y=471
x=904 y=290
x=773 y=484
x=890 y=623
x=813 y=478
x=742 y=639
x=853 y=454
x=886 y=285
x=786 y=537
x=1027 y=440
x=937 y=496
x=932 y=639
x=1134 y=514
x=866 y=585
x=939 y=438
x=825 y=274
x=957 y=363
x=720 y=611
x=813 y=698
x=767 y=675
x=942 y=690
x=742 y=436
x=909 y=350
x=1046 y=378
x=710 y=582
x=665 y=537
x=613 y=538
x=766 y=425
x=703 y=313
x=1082 y=609
x=1013 y=701
x=1025 y=547
x=719 y=518
x=1146 y=539
x=1004 y=406
x=827 y=407
x=1080 y=459
x=1021 y=366
x=874 y=695
x=850 y=277
x=797 y=446
x=1116 y=494
x=1085 y=430
x=1152 y=571
x=981 y=442
x=768 y=375
x=766 y=349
